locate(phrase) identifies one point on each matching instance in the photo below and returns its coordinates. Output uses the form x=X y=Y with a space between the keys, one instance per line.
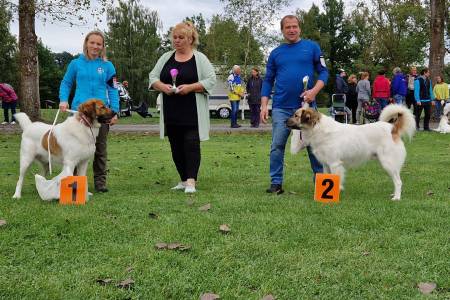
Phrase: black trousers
x=9 y=106
x=426 y=106
x=185 y=146
x=410 y=99
x=101 y=157
x=254 y=114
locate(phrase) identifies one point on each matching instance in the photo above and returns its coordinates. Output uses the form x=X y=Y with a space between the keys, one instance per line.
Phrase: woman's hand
x=184 y=89
x=63 y=106
x=113 y=120
x=167 y=89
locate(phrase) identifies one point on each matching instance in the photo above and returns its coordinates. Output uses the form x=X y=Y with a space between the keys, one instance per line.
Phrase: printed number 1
x=328 y=189
x=74 y=187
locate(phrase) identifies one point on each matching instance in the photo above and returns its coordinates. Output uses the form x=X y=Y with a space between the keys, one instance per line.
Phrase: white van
x=219 y=105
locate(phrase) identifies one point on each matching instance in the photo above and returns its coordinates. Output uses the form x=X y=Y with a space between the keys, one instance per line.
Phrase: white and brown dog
x=339 y=146
x=71 y=143
x=444 y=127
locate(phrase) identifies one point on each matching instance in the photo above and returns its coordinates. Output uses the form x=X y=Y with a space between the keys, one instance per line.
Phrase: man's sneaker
x=13 y=123
x=179 y=186
x=275 y=189
x=4 y=123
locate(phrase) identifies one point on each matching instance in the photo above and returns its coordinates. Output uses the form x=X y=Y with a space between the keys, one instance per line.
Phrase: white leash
x=48 y=139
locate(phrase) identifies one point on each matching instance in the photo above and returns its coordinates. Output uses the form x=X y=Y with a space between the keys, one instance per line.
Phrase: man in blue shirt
x=286 y=67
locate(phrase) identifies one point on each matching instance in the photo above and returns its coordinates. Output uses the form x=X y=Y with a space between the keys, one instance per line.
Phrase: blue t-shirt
x=94 y=79
x=286 y=67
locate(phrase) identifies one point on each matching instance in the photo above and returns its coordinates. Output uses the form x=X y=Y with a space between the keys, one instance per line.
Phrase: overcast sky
x=61 y=37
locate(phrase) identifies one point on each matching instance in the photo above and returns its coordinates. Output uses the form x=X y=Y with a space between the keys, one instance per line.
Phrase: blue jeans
x=280 y=134
x=234 y=112
x=399 y=99
x=383 y=102
x=437 y=109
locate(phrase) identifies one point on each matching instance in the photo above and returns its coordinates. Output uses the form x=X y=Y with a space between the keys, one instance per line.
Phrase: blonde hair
x=364 y=75
x=351 y=78
x=99 y=33
x=188 y=30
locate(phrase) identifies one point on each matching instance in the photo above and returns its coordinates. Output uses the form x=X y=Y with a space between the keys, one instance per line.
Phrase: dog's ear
x=88 y=109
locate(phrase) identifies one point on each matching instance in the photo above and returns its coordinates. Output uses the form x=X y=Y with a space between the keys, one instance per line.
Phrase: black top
x=180 y=109
x=254 y=85
x=352 y=95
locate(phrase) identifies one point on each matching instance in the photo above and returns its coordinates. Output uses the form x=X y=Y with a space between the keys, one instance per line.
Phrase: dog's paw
x=394 y=198
x=16 y=196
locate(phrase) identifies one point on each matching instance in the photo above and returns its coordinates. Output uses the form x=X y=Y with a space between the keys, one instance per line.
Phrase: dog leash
x=49 y=135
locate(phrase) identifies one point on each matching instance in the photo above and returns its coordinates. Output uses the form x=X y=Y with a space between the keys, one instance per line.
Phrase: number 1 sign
x=73 y=190
x=327 y=188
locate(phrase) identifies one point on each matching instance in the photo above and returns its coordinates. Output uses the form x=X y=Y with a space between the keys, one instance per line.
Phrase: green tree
x=8 y=47
x=253 y=16
x=50 y=74
x=133 y=42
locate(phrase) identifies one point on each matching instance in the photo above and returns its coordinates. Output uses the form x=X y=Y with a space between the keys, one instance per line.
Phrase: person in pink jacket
x=381 y=89
x=9 y=102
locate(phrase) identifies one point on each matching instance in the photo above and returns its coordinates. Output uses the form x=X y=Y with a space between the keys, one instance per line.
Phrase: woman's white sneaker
x=190 y=189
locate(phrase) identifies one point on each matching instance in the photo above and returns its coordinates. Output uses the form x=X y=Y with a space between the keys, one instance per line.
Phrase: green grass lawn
x=365 y=247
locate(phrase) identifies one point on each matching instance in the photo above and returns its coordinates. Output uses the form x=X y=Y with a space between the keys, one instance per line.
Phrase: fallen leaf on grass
x=293 y=193
x=153 y=215
x=190 y=202
x=2 y=223
x=172 y=246
x=160 y=246
x=209 y=296
x=205 y=207
x=224 y=228
x=104 y=281
x=126 y=284
x=426 y=287
x=268 y=297
x=430 y=193
x=365 y=253
x=129 y=269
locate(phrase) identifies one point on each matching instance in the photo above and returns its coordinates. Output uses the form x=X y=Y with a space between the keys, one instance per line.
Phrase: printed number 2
x=328 y=189
x=74 y=187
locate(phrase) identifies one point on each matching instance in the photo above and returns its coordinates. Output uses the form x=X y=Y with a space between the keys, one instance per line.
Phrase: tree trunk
x=29 y=69
x=437 y=49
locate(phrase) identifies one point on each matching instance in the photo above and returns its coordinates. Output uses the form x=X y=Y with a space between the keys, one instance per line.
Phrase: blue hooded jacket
x=94 y=79
x=399 y=85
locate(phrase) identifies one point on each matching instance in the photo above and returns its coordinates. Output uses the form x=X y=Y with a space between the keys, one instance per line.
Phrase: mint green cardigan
x=206 y=77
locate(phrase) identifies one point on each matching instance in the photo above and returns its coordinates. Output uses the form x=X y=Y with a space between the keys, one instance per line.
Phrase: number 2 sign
x=327 y=188
x=73 y=190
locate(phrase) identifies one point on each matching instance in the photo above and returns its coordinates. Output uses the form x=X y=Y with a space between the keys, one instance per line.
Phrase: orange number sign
x=327 y=188
x=73 y=190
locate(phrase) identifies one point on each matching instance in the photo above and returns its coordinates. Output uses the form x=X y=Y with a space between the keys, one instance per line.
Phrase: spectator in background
x=254 y=85
x=235 y=93
x=341 y=87
x=9 y=102
x=381 y=89
x=410 y=93
x=399 y=86
x=441 y=93
x=363 y=90
x=352 y=96
x=423 y=93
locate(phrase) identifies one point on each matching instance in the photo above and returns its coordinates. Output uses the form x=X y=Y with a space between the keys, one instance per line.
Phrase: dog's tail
x=23 y=120
x=401 y=118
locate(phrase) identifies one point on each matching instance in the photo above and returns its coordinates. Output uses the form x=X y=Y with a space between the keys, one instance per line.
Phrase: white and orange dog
x=339 y=146
x=443 y=126
x=72 y=142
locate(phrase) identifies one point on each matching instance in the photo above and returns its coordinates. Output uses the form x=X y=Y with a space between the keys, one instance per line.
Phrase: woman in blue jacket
x=95 y=77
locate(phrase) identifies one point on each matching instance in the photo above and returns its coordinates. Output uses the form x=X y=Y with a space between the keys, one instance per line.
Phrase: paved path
x=154 y=128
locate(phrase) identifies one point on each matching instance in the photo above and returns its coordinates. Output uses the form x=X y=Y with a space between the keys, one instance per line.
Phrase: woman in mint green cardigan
x=183 y=76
